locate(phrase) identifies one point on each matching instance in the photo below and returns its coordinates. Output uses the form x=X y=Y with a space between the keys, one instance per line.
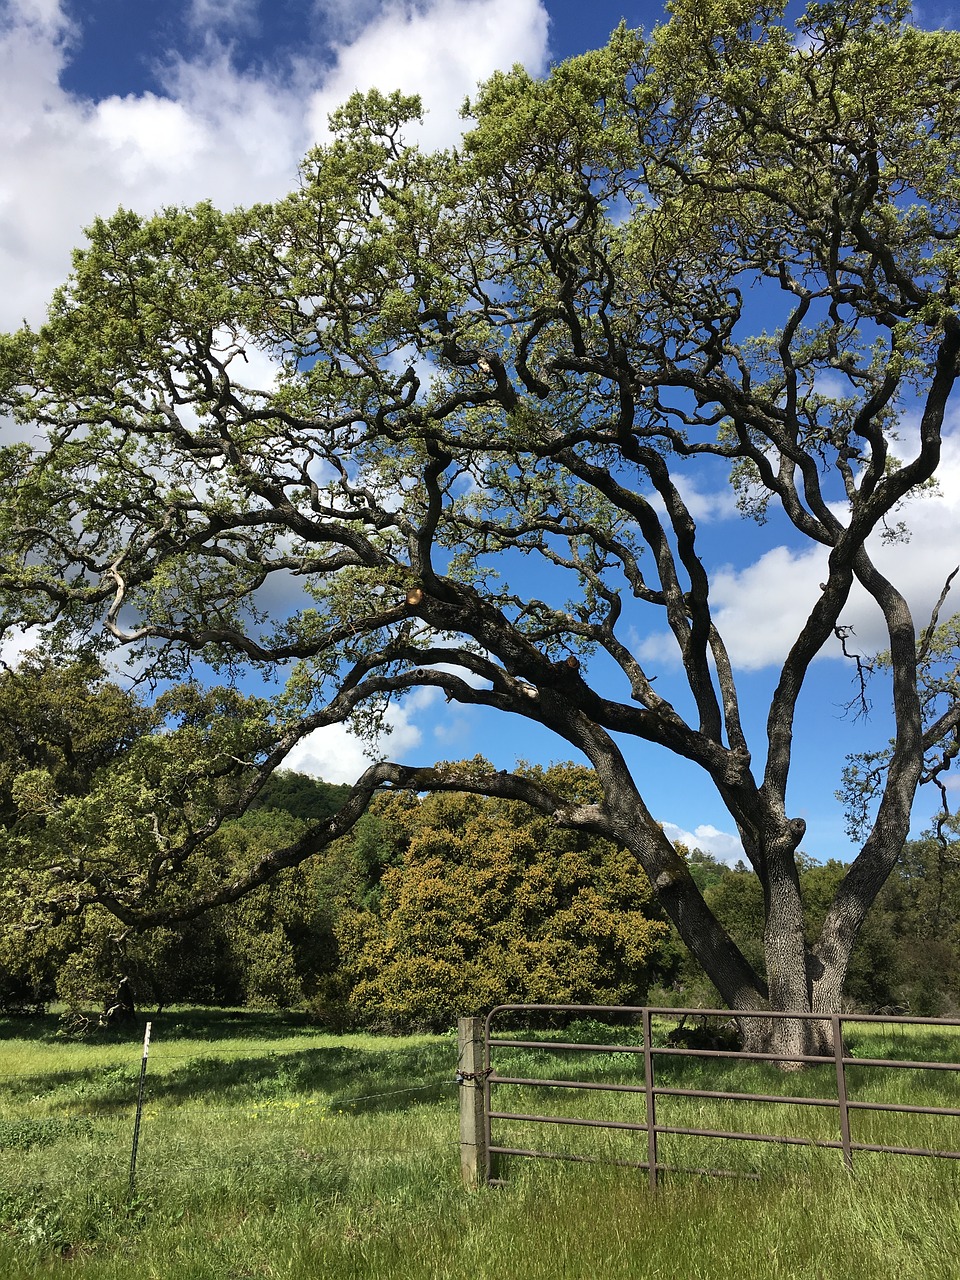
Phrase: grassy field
x=268 y=1150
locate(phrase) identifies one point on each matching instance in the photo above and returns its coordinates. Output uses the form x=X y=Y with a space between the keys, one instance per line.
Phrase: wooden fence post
x=474 y=1167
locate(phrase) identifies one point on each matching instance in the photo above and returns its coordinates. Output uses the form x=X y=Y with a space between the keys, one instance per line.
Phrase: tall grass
x=270 y=1151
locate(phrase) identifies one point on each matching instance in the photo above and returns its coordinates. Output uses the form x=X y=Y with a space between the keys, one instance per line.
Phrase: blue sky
x=107 y=102
x=123 y=45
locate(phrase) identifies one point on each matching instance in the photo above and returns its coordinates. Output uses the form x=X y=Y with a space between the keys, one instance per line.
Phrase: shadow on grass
x=34 y=1026
x=355 y=1079
x=233 y=1024
x=185 y=1024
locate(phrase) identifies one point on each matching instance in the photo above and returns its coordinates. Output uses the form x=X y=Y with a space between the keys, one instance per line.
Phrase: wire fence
x=271 y=1111
x=293 y=1105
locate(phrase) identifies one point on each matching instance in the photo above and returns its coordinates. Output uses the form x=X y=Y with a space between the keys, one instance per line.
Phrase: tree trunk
x=785 y=952
x=800 y=982
x=800 y=979
x=789 y=1039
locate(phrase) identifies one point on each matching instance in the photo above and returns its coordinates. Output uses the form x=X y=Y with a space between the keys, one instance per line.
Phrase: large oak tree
x=502 y=356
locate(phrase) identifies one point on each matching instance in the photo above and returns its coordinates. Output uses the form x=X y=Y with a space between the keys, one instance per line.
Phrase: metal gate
x=487 y=1080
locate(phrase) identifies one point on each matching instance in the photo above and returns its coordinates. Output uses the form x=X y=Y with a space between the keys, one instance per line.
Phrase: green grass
x=268 y=1150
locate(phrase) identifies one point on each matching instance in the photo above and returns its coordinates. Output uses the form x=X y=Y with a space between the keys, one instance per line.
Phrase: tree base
x=789 y=1040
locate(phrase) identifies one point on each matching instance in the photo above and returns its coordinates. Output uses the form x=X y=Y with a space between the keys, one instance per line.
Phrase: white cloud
x=720 y=844
x=440 y=51
x=704 y=505
x=15 y=644
x=920 y=566
x=44 y=15
x=343 y=19
x=249 y=366
x=336 y=755
x=761 y=608
x=146 y=137
x=215 y=133
x=64 y=160
x=462 y=673
x=223 y=15
x=758 y=610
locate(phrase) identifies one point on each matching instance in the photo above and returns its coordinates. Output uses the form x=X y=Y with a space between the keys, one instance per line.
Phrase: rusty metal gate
x=489 y=1080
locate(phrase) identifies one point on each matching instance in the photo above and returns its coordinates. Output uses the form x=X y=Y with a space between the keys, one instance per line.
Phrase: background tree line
x=430 y=907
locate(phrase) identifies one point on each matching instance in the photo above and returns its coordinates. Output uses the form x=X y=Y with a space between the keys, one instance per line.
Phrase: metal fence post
x=474 y=1159
x=136 y=1124
x=651 y=1099
x=842 y=1090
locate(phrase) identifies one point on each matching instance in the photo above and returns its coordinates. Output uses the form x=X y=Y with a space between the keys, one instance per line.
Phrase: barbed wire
x=392 y=1093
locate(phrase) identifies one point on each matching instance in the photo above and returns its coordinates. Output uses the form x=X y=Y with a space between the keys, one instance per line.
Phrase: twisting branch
x=508 y=786
x=864 y=671
x=929 y=630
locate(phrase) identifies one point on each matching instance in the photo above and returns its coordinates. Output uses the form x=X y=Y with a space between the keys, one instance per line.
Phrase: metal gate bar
x=649 y=1052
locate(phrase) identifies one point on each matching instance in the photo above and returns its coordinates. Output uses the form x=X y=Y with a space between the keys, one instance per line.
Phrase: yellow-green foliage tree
x=492 y=902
